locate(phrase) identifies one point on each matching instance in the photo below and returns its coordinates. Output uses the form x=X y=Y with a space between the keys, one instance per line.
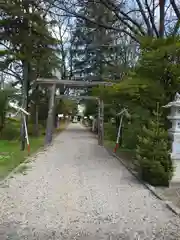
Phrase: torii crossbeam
x=71 y=83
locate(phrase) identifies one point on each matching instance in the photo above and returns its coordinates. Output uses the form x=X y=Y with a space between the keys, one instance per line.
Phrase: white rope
x=20 y=109
x=17 y=112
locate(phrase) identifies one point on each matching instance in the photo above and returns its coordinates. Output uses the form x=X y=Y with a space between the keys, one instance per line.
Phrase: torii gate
x=55 y=82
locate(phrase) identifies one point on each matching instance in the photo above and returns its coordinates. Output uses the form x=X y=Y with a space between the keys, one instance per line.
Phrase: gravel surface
x=75 y=190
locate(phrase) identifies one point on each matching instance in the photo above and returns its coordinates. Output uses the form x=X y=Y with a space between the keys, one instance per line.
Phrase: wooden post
x=50 y=119
x=36 y=120
x=102 y=122
x=99 y=121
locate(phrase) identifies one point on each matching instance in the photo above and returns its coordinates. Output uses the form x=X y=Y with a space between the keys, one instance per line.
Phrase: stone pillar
x=174 y=133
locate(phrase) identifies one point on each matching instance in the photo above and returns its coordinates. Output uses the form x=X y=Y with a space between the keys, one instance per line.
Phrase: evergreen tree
x=93 y=47
x=152 y=153
x=159 y=62
x=26 y=38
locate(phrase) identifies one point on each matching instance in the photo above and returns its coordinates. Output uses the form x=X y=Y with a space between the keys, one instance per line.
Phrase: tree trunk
x=1 y=124
x=102 y=122
x=162 y=17
x=70 y=63
x=36 y=120
x=24 y=102
x=25 y=67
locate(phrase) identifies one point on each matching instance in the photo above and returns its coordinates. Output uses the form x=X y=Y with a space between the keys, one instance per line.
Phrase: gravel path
x=75 y=190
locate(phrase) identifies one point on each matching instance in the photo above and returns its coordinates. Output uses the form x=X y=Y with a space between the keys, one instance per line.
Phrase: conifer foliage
x=153 y=155
x=95 y=49
x=25 y=34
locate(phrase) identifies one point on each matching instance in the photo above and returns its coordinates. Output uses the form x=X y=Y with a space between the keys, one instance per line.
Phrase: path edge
x=168 y=204
x=30 y=158
x=152 y=189
x=27 y=160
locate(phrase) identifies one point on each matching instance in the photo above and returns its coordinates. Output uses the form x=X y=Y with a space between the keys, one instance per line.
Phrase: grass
x=11 y=155
x=126 y=154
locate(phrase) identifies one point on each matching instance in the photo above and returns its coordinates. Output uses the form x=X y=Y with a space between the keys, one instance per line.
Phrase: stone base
x=176 y=176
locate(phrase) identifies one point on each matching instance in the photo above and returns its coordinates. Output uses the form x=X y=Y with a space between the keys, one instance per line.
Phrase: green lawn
x=126 y=154
x=11 y=156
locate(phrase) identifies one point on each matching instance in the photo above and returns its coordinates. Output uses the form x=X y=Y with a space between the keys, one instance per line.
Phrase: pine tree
x=93 y=46
x=152 y=153
x=25 y=36
x=27 y=39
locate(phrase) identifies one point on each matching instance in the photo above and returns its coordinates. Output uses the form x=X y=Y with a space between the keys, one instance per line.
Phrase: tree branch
x=151 y=19
x=110 y=5
x=175 y=8
x=12 y=73
x=149 y=29
x=176 y=28
x=74 y=14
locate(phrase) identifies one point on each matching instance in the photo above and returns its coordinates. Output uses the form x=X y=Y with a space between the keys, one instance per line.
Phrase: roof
x=172 y=104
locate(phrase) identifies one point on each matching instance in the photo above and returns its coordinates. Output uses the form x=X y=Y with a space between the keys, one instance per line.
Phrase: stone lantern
x=174 y=133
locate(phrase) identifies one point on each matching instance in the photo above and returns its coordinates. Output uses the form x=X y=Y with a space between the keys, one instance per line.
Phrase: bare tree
x=135 y=18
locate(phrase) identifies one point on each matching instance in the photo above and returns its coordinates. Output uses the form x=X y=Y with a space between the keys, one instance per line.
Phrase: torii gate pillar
x=50 y=119
x=100 y=122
